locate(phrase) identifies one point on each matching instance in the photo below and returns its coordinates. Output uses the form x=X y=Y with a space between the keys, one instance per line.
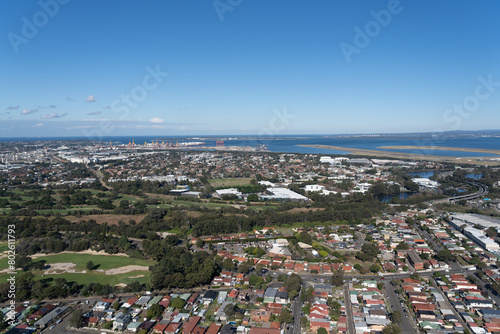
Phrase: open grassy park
x=103 y=262
x=234 y=182
x=108 y=269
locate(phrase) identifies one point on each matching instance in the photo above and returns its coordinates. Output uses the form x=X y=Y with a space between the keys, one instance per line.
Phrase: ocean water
x=289 y=144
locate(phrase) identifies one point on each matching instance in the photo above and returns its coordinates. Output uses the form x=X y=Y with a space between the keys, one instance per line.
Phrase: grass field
x=93 y=277
x=3 y=263
x=240 y=181
x=104 y=262
x=4 y=247
x=102 y=278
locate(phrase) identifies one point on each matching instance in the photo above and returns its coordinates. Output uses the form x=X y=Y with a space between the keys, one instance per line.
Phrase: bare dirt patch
x=62 y=267
x=126 y=269
x=109 y=219
x=136 y=276
x=304 y=209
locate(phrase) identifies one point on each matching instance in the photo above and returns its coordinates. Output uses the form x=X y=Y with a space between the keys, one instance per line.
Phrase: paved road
x=406 y=324
x=428 y=238
x=348 y=310
x=297 y=309
x=64 y=326
x=483 y=190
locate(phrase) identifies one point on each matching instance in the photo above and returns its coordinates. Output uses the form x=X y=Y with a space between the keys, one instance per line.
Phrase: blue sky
x=247 y=67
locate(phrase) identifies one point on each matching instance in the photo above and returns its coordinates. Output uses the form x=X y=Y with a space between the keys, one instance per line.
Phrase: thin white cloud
x=156 y=120
x=53 y=115
x=91 y=98
x=38 y=125
x=28 y=111
x=94 y=113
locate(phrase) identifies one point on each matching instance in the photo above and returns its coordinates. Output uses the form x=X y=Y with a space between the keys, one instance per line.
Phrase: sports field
x=240 y=181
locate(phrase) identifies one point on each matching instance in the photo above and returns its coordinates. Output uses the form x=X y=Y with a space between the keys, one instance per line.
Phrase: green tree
x=391 y=329
x=402 y=246
x=177 y=303
x=76 y=318
x=155 y=311
x=253 y=198
x=200 y=242
x=491 y=232
x=228 y=264
x=244 y=267
x=374 y=268
x=255 y=281
x=229 y=310
x=338 y=277
x=368 y=252
x=90 y=265
x=444 y=255
x=285 y=317
x=321 y=330
x=108 y=325
x=396 y=317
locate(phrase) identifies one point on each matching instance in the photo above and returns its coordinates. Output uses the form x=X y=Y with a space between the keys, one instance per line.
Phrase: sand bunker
x=126 y=269
x=136 y=276
x=62 y=267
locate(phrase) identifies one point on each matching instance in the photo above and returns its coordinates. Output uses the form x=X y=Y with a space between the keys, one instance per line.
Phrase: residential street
x=348 y=308
x=407 y=324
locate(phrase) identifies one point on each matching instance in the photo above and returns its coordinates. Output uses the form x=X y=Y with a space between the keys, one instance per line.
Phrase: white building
x=230 y=191
x=267 y=184
x=482 y=240
x=425 y=182
x=284 y=194
x=318 y=188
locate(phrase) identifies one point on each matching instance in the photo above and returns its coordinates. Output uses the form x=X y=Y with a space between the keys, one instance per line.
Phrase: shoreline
x=479 y=160
x=442 y=148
